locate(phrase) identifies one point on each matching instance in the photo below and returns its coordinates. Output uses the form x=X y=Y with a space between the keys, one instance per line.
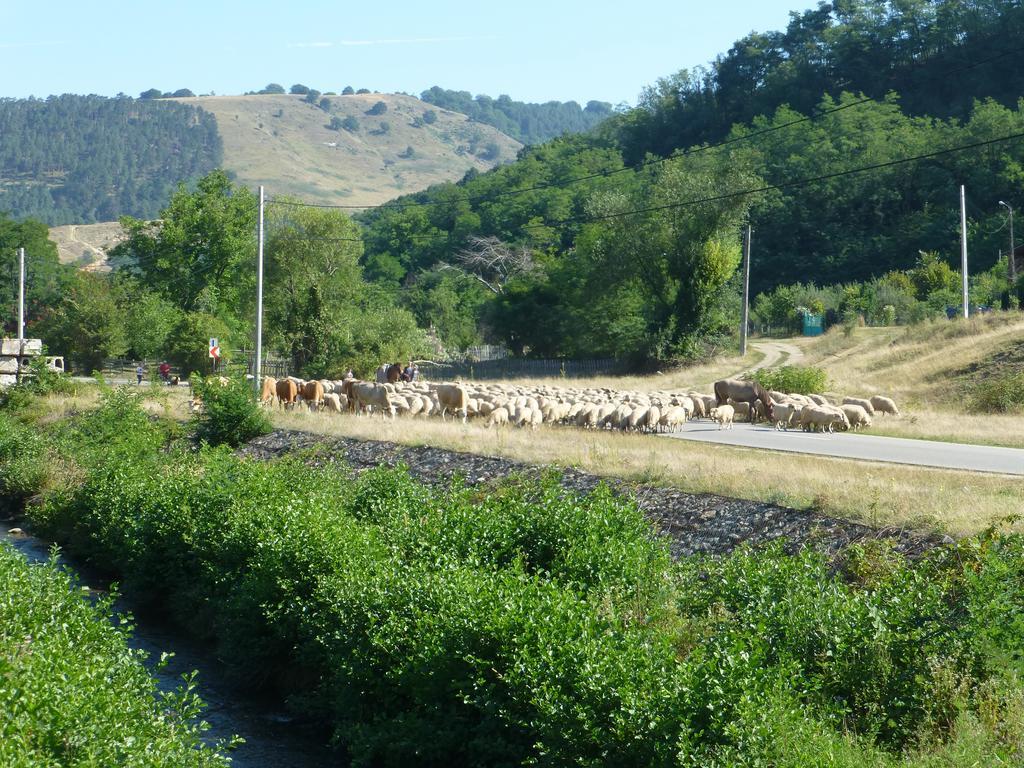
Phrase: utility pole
x=1012 y=261
x=259 y=299
x=746 y=291
x=963 y=248
x=21 y=308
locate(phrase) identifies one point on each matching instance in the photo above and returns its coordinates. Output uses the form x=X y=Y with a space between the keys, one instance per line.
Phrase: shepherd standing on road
x=139 y=373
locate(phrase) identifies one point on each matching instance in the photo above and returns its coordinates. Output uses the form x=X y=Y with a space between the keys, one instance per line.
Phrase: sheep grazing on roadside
x=498 y=417
x=332 y=402
x=673 y=418
x=856 y=416
x=814 y=417
x=819 y=399
x=453 y=397
x=724 y=415
x=783 y=414
x=862 y=402
x=885 y=405
x=636 y=418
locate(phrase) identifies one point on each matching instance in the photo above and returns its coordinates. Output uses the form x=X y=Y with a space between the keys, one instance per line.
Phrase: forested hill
x=633 y=227
x=529 y=123
x=939 y=55
x=79 y=159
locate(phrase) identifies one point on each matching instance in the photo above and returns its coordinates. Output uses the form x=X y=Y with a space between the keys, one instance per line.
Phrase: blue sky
x=531 y=50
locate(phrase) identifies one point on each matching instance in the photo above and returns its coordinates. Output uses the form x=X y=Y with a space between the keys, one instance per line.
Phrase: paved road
x=897 y=450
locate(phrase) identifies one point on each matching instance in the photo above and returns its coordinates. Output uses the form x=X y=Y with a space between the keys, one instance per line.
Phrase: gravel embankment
x=695 y=523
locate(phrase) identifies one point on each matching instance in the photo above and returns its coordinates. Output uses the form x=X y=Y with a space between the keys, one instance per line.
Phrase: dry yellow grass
x=917 y=367
x=878 y=494
x=283 y=142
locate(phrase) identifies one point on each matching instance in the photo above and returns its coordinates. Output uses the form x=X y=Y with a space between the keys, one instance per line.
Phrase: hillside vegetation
x=286 y=143
x=841 y=151
x=81 y=159
x=529 y=123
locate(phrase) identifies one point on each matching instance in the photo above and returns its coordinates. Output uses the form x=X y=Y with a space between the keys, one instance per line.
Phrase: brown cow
x=269 y=390
x=313 y=393
x=287 y=392
x=346 y=390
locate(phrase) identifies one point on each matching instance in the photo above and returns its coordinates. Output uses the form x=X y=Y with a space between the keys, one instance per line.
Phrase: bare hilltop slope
x=86 y=244
x=287 y=144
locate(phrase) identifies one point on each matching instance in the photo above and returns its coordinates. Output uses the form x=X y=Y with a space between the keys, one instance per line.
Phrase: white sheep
x=862 y=402
x=856 y=416
x=498 y=417
x=783 y=414
x=884 y=405
x=724 y=415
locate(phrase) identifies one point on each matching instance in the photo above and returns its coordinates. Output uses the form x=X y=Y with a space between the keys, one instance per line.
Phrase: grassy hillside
x=932 y=371
x=284 y=143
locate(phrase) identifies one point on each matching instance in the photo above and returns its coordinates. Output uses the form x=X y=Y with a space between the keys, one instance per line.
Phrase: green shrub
x=528 y=625
x=73 y=693
x=1000 y=393
x=795 y=379
x=23 y=462
x=231 y=413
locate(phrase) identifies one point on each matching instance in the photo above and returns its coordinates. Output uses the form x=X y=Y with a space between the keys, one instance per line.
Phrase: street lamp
x=1013 y=245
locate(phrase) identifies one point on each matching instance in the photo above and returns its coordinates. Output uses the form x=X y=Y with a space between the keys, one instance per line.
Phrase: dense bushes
x=525 y=625
x=71 y=691
x=795 y=379
x=999 y=393
x=231 y=414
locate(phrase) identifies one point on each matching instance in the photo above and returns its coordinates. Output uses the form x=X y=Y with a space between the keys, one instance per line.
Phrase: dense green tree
x=152 y=93
x=299 y=89
x=348 y=90
x=86 y=325
x=273 y=88
x=377 y=109
x=199 y=253
x=313 y=277
x=45 y=277
x=149 y=319
x=187 y=345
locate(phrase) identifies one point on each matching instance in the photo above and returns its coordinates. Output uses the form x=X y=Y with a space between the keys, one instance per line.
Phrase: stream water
x=273 y=739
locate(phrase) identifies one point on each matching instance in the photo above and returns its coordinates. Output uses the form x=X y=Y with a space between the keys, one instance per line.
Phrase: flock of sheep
x=499 y=404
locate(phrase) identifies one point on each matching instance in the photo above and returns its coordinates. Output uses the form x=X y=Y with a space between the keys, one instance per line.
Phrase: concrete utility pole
x=259 y=298
x=746 y=290
x=21 y=308
x=1012 y=261
x=963 y=248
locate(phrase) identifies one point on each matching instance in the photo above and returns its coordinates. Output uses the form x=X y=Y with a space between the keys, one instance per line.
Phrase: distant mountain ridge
x=82 y=159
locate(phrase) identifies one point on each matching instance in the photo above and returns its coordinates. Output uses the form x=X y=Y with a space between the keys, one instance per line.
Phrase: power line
x=647 y=163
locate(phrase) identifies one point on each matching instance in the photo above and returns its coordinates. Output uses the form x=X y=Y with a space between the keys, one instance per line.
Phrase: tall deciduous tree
x=200 y=253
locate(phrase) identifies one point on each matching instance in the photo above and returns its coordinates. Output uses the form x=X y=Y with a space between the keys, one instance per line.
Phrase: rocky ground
x=695 y=523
